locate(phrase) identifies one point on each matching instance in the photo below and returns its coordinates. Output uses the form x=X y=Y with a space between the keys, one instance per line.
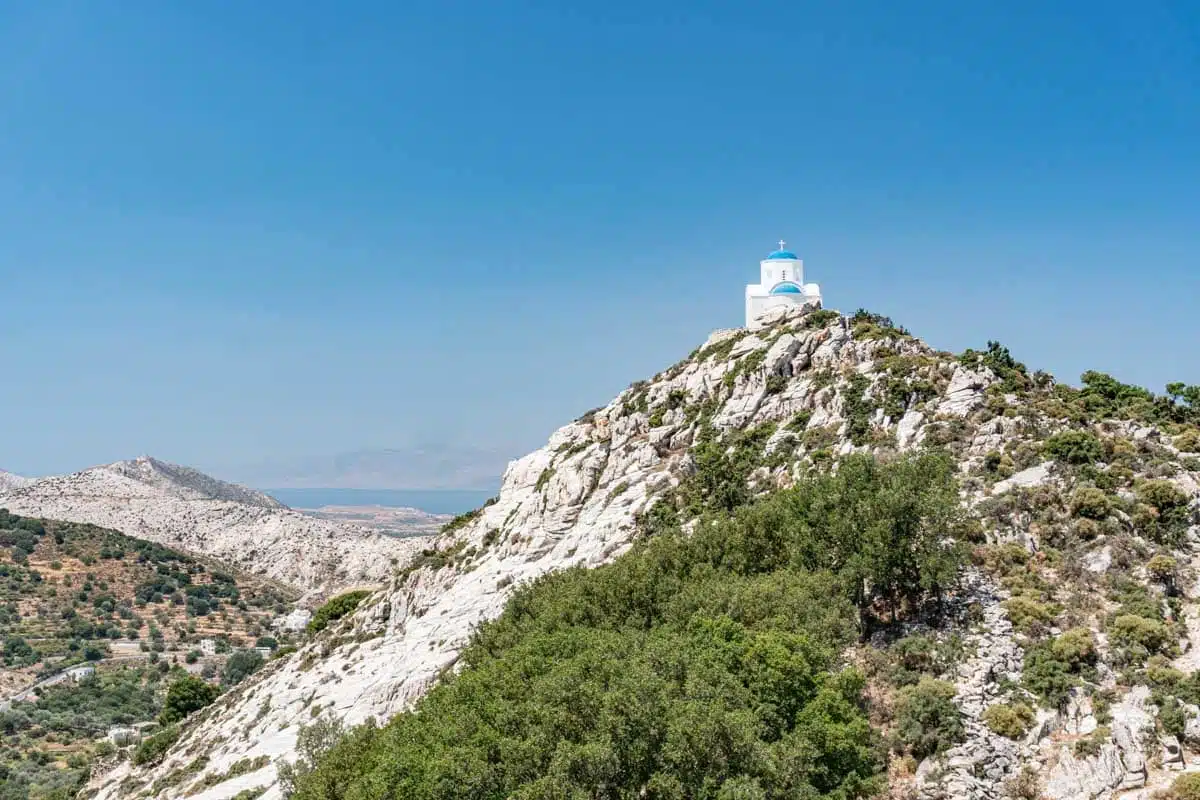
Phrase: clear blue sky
x=235 y=231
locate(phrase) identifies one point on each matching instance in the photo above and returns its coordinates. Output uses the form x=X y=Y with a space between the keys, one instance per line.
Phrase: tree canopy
x=698 y=666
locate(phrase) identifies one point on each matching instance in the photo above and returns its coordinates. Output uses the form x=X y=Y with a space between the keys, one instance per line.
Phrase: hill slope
x=752 y=411
x=180 y=507
x=10 y=481
x=76 y=596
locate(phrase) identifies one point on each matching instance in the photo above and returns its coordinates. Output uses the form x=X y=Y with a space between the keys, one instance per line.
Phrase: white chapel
x=781 y=283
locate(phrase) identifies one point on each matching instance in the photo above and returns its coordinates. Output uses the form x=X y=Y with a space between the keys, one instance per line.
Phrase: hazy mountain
x=425 y=466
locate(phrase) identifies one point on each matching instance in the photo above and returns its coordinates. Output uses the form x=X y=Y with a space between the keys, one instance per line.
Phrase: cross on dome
x=781 y=244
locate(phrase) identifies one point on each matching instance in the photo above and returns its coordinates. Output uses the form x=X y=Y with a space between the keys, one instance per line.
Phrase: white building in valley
x=781 y=283
x=81 y=673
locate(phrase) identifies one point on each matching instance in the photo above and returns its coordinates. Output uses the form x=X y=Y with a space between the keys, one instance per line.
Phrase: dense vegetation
x=48 y=744
x=695 y=666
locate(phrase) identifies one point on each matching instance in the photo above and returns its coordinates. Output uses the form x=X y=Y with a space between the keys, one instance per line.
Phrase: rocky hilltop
x=9 y=481
x=1085 y=502
x=181 y=507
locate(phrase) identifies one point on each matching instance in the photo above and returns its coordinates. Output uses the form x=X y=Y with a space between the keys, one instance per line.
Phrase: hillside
x=1057 y=650
x=9 y=481
x=76 y=597
x=180 y=507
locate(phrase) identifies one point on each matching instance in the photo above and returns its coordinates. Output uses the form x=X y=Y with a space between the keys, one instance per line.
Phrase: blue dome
x=783 y=255
x=787 y=287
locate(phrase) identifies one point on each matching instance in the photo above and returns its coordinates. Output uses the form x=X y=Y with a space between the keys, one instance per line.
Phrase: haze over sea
x=435 y=501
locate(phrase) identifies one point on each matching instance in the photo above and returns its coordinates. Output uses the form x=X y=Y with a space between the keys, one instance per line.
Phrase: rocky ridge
x=9 y=481
x=181 y=507
x=794 y=393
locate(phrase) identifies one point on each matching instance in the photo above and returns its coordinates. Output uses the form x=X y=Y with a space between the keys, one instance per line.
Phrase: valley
x=388 y=520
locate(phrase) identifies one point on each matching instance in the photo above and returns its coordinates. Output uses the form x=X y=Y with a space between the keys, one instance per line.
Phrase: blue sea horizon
x=434 y=501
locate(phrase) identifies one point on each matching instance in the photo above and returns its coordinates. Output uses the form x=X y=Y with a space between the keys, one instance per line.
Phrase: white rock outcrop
x=10 y=481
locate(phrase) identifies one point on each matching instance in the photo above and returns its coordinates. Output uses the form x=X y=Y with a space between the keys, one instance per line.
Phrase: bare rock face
x=184 y=508
x=979 y=766
x=1120 y=765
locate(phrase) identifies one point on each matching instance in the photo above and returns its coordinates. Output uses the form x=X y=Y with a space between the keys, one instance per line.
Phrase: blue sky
x=232 y=232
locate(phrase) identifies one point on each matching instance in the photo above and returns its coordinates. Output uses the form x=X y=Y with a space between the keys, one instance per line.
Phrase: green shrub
x=1139 y=635
x=1185 y=787
x=1163 y=569
x=1188 y=441
x=1074 y=447
x=820 y=318
x=799 y=422
x=1028 y=615
x=335 y=608
x=1054 y=667
x=1090 y=503
x=927 y=720
x=312 y=743
x=1162 y=495
x=1006 y=558
x=153 y=748
x=1172 y=718
x=913 y=656
x=1008 y=720
x=1076 y=647
x=1090 y=745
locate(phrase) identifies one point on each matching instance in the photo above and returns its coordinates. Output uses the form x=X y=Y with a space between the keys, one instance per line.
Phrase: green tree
x=697 y=665
x=312 y=743
x=891 y=530
x=240 y=665
x=185 y=695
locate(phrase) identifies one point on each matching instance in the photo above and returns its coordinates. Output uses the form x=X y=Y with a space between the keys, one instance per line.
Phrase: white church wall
x=772 y=272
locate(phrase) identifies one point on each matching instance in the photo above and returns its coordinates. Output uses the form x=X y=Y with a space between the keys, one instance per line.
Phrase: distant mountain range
x=432 y=466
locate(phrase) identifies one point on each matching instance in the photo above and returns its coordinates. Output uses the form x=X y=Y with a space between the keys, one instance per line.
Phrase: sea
x=434 y=501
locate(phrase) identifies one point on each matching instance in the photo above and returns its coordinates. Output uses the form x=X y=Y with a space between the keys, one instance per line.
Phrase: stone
x=909 y=430
x=1026 y=478
x=965 y=392
x=1074 y=778
x=1098 y=561
x=1078 y=718
x=1172 y=752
